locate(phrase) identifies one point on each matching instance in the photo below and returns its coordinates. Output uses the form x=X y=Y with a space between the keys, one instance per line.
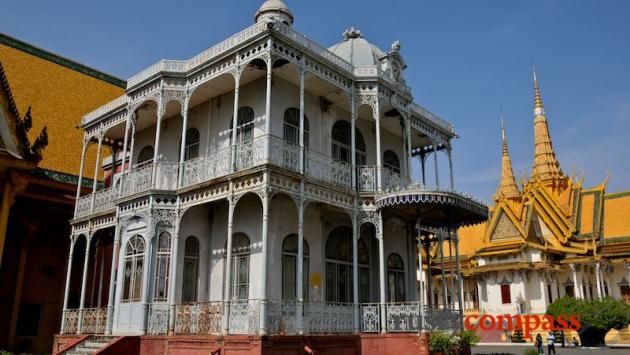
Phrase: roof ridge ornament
x=352 y=33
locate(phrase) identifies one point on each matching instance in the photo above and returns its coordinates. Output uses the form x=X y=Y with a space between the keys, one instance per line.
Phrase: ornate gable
x=504 y=229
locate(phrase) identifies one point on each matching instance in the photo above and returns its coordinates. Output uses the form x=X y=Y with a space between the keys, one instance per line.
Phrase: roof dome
x=356 y=50
x=276 y=10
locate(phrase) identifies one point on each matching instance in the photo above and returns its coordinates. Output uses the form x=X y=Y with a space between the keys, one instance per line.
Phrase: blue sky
x=465 y=58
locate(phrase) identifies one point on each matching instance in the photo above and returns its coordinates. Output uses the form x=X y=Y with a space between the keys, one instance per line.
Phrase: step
x=94 y=344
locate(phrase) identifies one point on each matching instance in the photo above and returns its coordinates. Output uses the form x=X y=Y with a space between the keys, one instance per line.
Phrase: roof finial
x=507 y=185
x=538 y=105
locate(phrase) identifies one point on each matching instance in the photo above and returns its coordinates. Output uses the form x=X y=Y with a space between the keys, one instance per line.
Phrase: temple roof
x=274 y=9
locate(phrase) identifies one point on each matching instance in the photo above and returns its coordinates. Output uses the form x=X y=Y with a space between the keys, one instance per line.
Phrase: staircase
x=91 y=345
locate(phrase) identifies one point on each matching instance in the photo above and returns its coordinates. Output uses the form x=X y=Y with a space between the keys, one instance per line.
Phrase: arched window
x=132 y=277
x=341 y=143
x=239 y=283
x=191 y=148
x=339 y=267
x=395 y=278
x=191 y=270
x=162 y=264
x=244 y=125
x=146 y=154
x=391 y=162
x=289 y=268
x=292 y=126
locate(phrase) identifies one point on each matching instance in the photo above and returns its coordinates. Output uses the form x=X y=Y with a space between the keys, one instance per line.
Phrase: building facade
x=547 y=237
x=41 y=92
x=245 y=196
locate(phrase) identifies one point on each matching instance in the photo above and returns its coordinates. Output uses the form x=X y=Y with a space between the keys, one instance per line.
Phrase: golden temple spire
x=507 y=185
x=546 y=166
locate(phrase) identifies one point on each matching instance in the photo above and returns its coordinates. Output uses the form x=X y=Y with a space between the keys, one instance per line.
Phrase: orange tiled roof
x=60 y=92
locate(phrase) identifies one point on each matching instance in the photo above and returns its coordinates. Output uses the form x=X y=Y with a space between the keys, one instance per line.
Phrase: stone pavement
x=520 y=349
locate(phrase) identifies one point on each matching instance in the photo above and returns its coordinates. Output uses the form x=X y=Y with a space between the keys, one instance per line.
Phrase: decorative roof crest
x=352 y=33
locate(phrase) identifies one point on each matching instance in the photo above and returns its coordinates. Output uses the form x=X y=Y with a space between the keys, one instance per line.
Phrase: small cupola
x=275 y=10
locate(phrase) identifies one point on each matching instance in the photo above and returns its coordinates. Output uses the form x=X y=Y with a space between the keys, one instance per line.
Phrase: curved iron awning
x=434 y=208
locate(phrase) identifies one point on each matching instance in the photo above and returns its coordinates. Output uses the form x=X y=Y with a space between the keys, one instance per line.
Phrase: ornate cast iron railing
x=282 y=317
x=94 y=321
x=328 y=317
x=70 y=321
x=325 y=168
x=137 y=180
x=84 y=204
x=166 y=176
x=366 y=176
x=206 y=168
x=202 y=318
x=244 y=316
x=104 y=199
x=158 y=318
x=285 y=155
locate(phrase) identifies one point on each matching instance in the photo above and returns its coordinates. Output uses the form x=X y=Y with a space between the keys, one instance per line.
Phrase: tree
x=597 y=317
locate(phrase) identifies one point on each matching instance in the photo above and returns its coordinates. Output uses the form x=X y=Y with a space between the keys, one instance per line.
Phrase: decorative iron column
x=353 y=141
x=427 y=251
x=134 y=121
x=228 y=262
x=409 y=152
x=112 y=279
x=80 y=182
x=96 y=168
x=124 y=155
x=237 y=80
x=67 y=287
x=268 y=103
x=381 y=269
x=379 y=155
x=173 y=274
x=146 y=278
x=449 y=152
x=264 y=196
x=182 y=148
x=355 y=272
x=302 y=166
x=88 y=239
x=435 y=162
x=158 y=132
x=299 y=285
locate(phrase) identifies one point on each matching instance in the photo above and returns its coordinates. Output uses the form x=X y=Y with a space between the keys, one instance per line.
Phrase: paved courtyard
x=519 y=349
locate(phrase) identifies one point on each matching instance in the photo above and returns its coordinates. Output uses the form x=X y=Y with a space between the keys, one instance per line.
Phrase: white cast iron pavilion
x=264 y=187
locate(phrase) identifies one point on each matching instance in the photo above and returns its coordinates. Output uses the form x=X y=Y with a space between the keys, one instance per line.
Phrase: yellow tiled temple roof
x=59 y=92
x=617 y=215
x=507 y=186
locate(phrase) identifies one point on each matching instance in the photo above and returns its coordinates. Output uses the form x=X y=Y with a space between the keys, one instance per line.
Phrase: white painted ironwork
x=207 y=168
x=83 y=205
x=284 y=154
x=325 y=168
x=393 y=180
x=70 y=321
x=442 y=319
x=281 y=317
x=250 y=154
x=166 y=177
x=366 y=174
x=432 y=117
x=104 y=200
x=244 y=316
x=119 y=102
x=203 y=318
x=94 y=321
x=403 y=317
x=370 y=317
x=138 y=180
x=158 y=318
x=328 y=317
